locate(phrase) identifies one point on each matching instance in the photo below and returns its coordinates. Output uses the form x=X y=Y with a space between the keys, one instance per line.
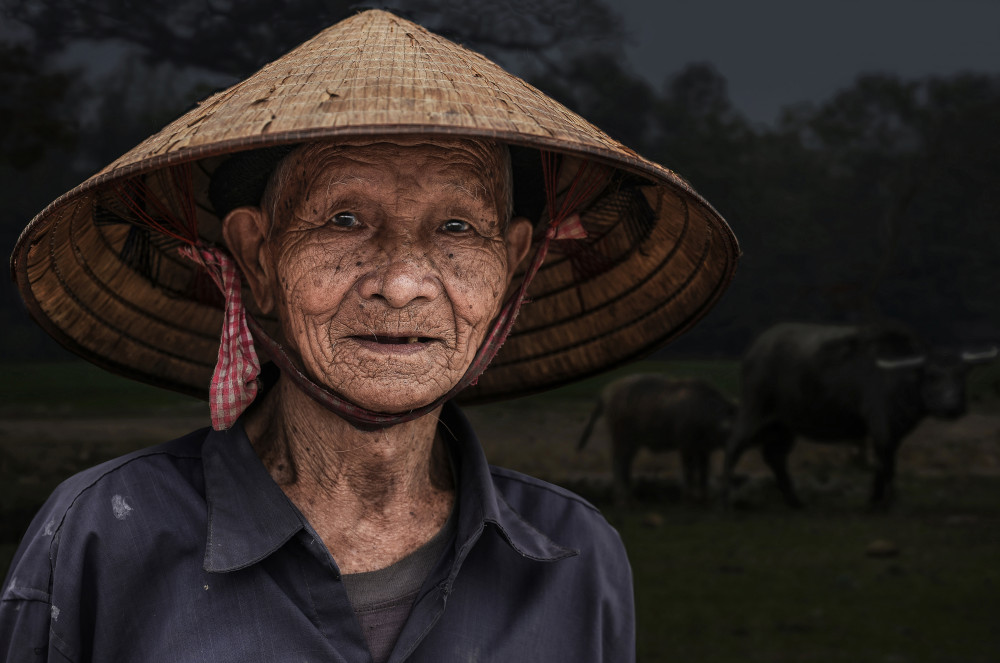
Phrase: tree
x=597 y=87
x=917 y=161
x=236 y=38
x=33 y=120
x=158 y=57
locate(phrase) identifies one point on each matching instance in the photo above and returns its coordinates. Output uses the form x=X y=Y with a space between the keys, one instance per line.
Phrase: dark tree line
x=880 y=201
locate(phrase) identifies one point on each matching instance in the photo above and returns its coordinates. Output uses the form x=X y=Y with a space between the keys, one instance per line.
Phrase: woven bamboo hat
x=115 y=291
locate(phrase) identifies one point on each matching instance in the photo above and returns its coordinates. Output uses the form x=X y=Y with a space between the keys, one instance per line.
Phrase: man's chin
x=391 y=395
x=392 y=405
x=393 y=384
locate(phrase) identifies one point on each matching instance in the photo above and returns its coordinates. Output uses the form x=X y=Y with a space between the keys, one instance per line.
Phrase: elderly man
x=386 y=263
x=340 y=508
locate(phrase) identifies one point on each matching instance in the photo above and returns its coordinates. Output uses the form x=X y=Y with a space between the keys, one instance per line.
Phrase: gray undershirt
x=382 y=598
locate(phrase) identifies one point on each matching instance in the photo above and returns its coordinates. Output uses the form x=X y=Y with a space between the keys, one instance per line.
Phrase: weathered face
x=385 y=263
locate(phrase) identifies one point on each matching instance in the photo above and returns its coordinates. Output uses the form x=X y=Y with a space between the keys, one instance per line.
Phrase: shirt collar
x=249 y=516
x=480 y=503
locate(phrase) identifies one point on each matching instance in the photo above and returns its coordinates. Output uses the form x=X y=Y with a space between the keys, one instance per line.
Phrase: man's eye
x=455 y=226
x=345 y=220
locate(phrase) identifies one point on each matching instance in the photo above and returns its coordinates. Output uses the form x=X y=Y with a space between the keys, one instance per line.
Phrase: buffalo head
x=941 y=376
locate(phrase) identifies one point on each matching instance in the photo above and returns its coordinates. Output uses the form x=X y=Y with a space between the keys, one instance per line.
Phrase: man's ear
x=518 y=241
x=245 y=231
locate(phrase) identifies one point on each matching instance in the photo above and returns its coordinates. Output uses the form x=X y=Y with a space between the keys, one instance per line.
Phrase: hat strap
x=235 y=378
x=564 y=223
x=366 y=419
x=234 y=381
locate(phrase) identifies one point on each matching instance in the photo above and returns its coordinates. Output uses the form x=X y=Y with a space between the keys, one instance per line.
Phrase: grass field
x=762 y=583
x=777 y=586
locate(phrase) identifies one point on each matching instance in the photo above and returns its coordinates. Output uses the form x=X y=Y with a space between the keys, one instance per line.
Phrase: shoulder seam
x=513 y=475
x=128 y=459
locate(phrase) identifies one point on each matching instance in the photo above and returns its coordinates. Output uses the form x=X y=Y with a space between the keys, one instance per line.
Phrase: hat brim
x=656 y=259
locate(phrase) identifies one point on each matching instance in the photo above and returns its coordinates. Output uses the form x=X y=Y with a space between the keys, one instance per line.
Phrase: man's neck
x=372 y=496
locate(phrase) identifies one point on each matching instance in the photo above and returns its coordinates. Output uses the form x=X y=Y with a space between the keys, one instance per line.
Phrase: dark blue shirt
x=189 y=551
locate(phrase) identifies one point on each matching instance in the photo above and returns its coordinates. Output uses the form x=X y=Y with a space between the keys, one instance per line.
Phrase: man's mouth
x=394 y=340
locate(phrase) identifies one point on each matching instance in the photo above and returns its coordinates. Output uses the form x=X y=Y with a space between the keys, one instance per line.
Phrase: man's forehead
x=483 y=159
x=476 y=169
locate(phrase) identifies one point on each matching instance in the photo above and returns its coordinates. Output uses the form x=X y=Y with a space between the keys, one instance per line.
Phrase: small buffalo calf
x=662 y=414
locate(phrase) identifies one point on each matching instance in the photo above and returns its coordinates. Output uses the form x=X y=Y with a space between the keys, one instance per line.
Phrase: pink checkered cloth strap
x=234 y=381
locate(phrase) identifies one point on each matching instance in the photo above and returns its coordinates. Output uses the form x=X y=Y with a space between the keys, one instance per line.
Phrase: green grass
x=765 y=584
x=78 y=388
x=723 y=373
x=983 y=381
x=777 y=585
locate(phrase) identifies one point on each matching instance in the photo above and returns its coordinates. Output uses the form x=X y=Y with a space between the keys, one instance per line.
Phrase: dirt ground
x=544 y=444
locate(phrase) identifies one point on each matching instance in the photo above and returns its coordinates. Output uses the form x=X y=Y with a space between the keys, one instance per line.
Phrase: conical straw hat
x=656 y=256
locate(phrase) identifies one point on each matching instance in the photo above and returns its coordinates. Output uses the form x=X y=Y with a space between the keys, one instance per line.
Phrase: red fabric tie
x=234 y=381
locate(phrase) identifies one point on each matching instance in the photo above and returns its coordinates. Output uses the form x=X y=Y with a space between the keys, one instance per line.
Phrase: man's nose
x=404 y=274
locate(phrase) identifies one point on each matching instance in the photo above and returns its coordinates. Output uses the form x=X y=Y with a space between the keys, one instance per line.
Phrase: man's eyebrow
x=477 y=193
x=347 y=179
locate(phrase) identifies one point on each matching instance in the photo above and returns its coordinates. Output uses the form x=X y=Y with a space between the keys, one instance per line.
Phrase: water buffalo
x=662 y=414
x=842 y=384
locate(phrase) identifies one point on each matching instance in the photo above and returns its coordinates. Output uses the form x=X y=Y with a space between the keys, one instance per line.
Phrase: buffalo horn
x=905 y=362
x=979 y=357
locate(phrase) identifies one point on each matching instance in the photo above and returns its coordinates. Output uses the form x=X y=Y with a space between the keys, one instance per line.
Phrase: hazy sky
x=776 y=52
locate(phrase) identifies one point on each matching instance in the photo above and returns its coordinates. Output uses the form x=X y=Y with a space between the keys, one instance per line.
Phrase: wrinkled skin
x=374 y=246
x=385 y=264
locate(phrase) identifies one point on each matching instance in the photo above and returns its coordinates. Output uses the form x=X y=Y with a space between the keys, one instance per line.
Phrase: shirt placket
x=334 y=615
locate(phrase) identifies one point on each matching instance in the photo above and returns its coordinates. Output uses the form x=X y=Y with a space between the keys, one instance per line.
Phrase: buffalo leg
x=776 y=446
x=737 y=443
x=745 y=436
x=621 y=465
x=860 y=457
x=695 y=473
x=885 y=471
